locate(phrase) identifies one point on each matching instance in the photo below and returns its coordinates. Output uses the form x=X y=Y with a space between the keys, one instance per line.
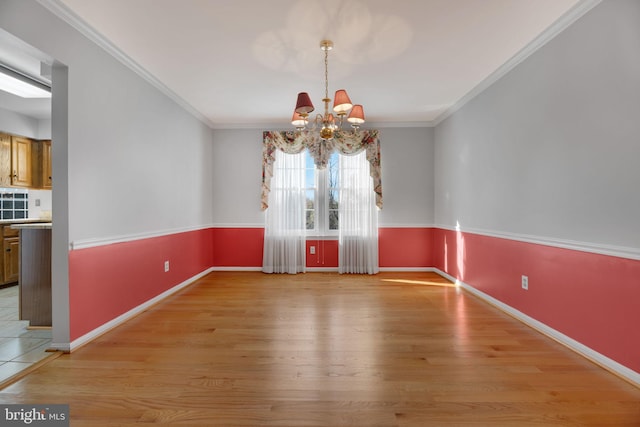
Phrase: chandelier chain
x=326 y=78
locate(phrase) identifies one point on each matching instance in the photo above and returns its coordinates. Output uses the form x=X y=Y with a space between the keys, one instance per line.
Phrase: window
x=340 y=202
x=14 y=203
x=322 y=196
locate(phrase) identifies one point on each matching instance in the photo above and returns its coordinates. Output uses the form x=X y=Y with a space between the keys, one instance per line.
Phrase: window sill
x=328 y=237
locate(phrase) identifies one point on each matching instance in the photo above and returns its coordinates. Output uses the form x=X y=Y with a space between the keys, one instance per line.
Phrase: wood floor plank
x=394 y=349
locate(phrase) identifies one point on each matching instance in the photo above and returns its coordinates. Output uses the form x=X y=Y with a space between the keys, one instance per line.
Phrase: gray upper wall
x=138 y=163
x=407 y=177
x=551 y=149
x=548 y=150
x=19 y=124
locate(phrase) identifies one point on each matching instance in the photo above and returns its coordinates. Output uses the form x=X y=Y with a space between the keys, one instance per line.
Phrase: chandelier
x=327 y=122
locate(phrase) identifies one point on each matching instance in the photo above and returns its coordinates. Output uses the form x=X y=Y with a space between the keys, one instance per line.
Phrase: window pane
x=308 y=160
x=310 y=178
x=309 y=171
x=333 y=199
x=322 y=195
x=333 y=169
x=13 y=203
x=333 y=220
x=310 y=219
x=311 y=199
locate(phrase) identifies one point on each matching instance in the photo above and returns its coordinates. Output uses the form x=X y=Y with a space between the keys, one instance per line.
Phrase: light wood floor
x=249 y=349
x=20 y=348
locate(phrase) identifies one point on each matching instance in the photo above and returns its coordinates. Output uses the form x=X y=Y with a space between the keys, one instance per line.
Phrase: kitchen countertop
x=23 y=221
x=32 y=226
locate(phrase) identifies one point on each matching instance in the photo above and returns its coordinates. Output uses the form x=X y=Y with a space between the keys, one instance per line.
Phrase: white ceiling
x=18 y=55
x=242 y=62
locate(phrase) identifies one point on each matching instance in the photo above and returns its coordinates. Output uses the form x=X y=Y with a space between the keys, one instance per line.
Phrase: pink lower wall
x=405 y=247
x=108 y=281
x=326 y=255
x=591 y=298
x=398 y=247
x=237 y=247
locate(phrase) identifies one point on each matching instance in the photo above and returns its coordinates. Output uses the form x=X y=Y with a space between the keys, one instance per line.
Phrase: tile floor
x=19 y=346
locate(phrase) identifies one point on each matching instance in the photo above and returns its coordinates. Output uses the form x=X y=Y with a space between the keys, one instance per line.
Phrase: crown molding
x=67 y=15
x=62 y=11
x=562 y=23
x=279 y=126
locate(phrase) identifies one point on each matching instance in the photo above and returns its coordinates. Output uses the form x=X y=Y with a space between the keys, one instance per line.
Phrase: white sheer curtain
x=284 y=240
x=358 y=217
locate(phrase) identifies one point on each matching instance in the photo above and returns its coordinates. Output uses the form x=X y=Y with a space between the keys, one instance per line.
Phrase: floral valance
x=293 y=142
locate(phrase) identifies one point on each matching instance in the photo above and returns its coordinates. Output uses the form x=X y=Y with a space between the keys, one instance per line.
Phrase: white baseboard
x=329 y=269
x=125 y=316
x=599 y=359
x=322 y=269
x=406 y=269
x=235 y=269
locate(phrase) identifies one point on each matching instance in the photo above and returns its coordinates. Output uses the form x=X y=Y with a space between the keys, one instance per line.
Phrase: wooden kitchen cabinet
x=41 y=164
x=10 y=265
x=5 y=160
x=45 y=164
x=21 y=159
x=11 y=259
x=24 y=162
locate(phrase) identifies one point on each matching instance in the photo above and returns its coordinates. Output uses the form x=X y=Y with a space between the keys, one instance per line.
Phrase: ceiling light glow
x=22 y=86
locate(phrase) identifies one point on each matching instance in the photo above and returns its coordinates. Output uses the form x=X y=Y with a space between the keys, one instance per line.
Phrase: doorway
x=21 y=345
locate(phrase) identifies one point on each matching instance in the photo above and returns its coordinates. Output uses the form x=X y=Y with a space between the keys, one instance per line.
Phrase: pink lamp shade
x=298 y=121
x=304 y=104
x=341 y=102
x=356 y=116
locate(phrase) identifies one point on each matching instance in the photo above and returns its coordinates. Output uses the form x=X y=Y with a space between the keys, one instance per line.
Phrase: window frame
x=14 y=203
x=322 y=197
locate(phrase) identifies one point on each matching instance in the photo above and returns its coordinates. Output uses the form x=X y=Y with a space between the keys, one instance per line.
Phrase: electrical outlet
x=312 y=250
x=525 y=283
x=166 y=266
